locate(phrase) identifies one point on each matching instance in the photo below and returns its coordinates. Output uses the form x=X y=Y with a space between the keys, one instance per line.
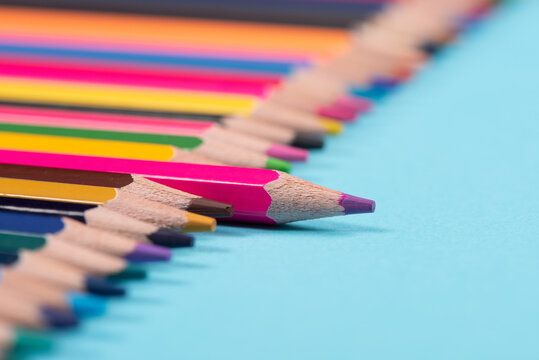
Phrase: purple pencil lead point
x=356 y=205
x=148 y=252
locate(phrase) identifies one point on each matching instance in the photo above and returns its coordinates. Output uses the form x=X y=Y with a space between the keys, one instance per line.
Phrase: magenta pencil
x=258 y=195
x=151 y=125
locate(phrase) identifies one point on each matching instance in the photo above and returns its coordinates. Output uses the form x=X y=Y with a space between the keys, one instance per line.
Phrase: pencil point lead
x=86 y=305
x=356 y=205
x=199 y=223
x=360 y=104
x=308 y=140
x=131 y=272
x=288 y=153
x=57 y=318
x=331 y=126
x=99 y=286
x=26 y=339
x=211 y=208
x=171 y=239
x=277 y=164
x=338 y=112
x=148 y=252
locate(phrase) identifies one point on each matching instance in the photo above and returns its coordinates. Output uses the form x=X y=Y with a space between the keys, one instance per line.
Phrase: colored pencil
x=267 y=131
x=258 y=195
x=129 y=97
x=80 y=256
x=31 y=314
x=320 y=13
x=76 y=232
x=153 y=125
x=315 y=41
x=119 y=201
x=82 y=305
x=13 y=338
x=61 y=274
x=132 y=184
x=215 y=150
x=101 y=218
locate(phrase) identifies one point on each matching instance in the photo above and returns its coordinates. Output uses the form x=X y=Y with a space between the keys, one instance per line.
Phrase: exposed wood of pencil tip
x=82 y=256
x=49 y=293
x=23 y=312
x=47 y=269
x=96 y=239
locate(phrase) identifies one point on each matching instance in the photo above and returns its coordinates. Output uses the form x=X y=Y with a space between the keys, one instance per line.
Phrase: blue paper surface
x=447 y=267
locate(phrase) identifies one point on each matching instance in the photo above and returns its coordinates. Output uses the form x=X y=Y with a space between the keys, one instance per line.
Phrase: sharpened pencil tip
x=199 y=223
x=85 y=305
x=360 y=104
x=308 y=140
x=277 y=164
x=130 y=272
x=210 y=207
x=171 y=239
x=331 y=126
x=30 y=340
x=288 y=153
x=99 y=286
x=338 y=112
x=148 y=252
x=56 y=318
x=356 y=205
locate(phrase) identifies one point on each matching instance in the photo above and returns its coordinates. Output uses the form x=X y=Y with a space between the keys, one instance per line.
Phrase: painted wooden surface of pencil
x=258 y=195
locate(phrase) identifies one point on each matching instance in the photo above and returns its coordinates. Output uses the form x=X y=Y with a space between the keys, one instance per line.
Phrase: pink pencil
x=152 y=125
x=258 y=195
x=101 y=73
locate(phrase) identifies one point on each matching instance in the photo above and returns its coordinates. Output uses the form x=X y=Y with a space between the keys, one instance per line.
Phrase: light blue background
x=447 y=267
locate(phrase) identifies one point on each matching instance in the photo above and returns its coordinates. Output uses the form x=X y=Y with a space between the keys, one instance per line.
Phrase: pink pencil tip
x=356 y=205
x=288 y=153
x=359 y=104
x=338 y=112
